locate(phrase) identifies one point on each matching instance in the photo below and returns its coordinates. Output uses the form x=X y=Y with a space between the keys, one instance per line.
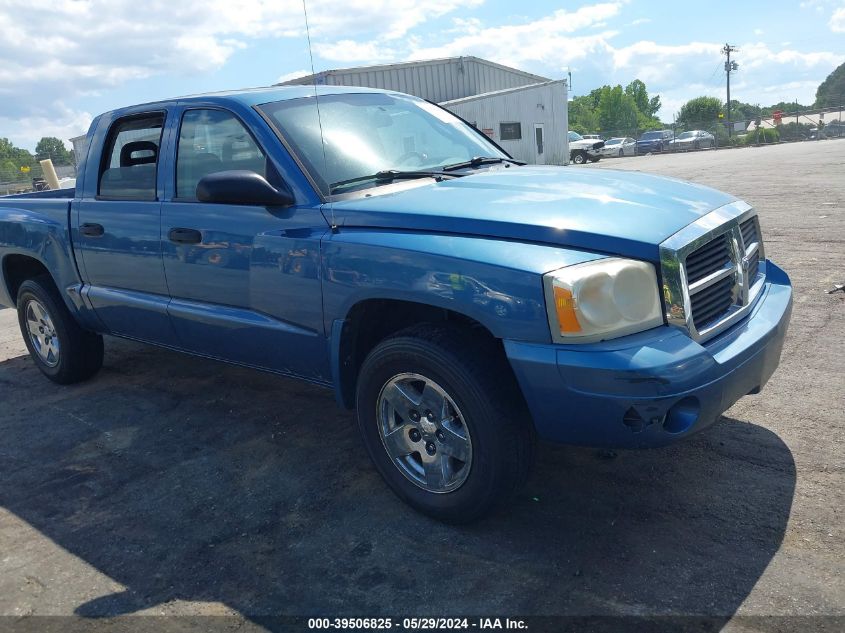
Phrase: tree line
x=18 y=164
x=628 y=111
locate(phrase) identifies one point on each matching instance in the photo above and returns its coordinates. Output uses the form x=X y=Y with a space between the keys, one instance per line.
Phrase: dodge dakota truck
x=462 y=303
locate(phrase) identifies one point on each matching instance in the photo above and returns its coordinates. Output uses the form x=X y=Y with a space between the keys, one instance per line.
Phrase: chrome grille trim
x=738 y=224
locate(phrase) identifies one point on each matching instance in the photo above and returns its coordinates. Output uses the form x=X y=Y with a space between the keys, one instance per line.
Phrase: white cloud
x=351 y=51
x=55 y=51
x=548 y=40
x=63 y=123
x=837 y=21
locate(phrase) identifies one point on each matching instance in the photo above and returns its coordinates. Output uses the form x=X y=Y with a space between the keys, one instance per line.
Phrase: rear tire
x=482 y=434
x=62 y=350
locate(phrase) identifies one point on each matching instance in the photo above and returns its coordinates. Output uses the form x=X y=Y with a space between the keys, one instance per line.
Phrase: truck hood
x=606 y=211
x=586 y=143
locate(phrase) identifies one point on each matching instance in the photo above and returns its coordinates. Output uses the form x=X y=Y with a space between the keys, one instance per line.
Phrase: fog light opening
x=682 y=416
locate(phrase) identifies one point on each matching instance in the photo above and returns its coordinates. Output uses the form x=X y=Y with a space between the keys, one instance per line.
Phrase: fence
x=13 y=180
x=791 y=127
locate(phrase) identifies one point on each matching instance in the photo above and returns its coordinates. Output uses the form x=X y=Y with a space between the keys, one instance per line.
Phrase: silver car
x=693 y=139
x=619 y=146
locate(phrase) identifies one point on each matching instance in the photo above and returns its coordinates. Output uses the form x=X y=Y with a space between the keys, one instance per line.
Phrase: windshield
x=613 y=141
x=367 y=133
x=686 y=135
x=574 y=136
x=651 y=135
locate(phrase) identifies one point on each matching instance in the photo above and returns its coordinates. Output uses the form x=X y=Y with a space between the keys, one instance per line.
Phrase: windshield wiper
x=389 y=175
x=478 y=161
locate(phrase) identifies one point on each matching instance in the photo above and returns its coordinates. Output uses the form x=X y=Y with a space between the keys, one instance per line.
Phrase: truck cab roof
x=247 y=97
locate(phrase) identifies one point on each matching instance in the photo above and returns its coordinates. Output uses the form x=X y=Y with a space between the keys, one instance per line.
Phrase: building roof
x=498 y=93
x=400 y=65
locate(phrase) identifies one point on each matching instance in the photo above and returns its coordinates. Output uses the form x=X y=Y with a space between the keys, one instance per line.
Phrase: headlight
x=603 y=299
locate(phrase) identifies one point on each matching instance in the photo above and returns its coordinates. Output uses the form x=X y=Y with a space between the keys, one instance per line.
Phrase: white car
x=619 y=146
x=582 y=150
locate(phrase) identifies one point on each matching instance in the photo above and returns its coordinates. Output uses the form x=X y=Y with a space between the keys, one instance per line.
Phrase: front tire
x=443 y=421
x=579 y=158
x=62 y=350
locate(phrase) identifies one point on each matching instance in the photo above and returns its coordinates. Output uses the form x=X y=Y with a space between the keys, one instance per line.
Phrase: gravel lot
x=176 y=485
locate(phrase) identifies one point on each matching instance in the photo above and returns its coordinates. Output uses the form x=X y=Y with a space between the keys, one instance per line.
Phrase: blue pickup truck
x=462 y=303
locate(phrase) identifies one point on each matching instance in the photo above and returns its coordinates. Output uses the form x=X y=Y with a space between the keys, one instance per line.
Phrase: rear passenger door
x=117 y=231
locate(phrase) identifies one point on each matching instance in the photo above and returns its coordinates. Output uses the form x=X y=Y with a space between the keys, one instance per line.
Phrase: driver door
x=243 y=279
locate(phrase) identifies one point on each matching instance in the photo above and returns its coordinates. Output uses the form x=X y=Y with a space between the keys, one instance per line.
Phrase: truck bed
x=49 y=193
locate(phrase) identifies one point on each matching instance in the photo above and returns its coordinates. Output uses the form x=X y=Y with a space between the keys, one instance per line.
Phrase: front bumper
x=655 y=387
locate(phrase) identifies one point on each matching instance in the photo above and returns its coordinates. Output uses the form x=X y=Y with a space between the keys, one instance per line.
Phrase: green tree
x=617 y=111
x=582 y=115
x=788 y=108
x=54 y=149
x=638 y=92
x=743 y=111
x=699 y=111
x=18 y=158
x=8 y=170
x=831 y=92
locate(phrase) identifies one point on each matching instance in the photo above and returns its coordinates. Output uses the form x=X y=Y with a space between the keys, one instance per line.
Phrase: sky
x=63 y=62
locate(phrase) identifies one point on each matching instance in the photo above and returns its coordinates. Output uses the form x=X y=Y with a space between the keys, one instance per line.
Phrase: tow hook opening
x=635 y=421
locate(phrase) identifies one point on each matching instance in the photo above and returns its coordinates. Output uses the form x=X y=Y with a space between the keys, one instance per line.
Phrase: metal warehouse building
x=524 y=113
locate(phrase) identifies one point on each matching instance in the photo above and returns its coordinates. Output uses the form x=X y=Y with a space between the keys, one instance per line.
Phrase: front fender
x=495 y=282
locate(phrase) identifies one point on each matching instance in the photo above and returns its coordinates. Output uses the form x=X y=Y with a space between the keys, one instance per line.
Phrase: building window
x=510 y=131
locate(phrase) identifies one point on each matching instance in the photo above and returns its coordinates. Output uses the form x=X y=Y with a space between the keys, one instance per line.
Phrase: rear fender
x=38 y=229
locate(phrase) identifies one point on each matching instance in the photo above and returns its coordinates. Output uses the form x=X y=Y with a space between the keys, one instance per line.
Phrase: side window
x=212 y=141
x=130 y=160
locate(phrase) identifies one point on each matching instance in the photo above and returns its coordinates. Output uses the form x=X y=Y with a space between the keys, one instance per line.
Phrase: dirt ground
x=175 y=485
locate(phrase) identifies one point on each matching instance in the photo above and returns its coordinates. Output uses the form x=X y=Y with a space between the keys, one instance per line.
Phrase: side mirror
x=241 y=187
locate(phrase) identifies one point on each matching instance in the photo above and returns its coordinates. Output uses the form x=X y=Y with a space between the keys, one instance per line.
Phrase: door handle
x=92 y=230
x=185 y=236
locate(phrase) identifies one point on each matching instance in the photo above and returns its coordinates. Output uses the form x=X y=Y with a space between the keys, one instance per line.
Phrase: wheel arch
x=372 y=320
x=17 y=268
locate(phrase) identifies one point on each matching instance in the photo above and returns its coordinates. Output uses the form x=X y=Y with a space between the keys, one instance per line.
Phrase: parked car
x=620 y=146
x=461 y=302
x=655 y=141
x=582 y=149
x=693 y=139
x=592 y=137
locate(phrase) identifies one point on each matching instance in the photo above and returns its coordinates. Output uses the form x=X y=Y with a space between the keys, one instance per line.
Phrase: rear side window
x=130 y=161
x=212 y=141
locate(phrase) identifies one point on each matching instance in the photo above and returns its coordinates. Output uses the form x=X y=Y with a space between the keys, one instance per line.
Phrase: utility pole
x=727 y=49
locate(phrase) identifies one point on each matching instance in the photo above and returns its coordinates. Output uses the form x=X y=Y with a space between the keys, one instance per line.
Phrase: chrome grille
x=712 y=302
x=749 y=231
x=711 y=280
x=708 y=259
x=712 y=272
